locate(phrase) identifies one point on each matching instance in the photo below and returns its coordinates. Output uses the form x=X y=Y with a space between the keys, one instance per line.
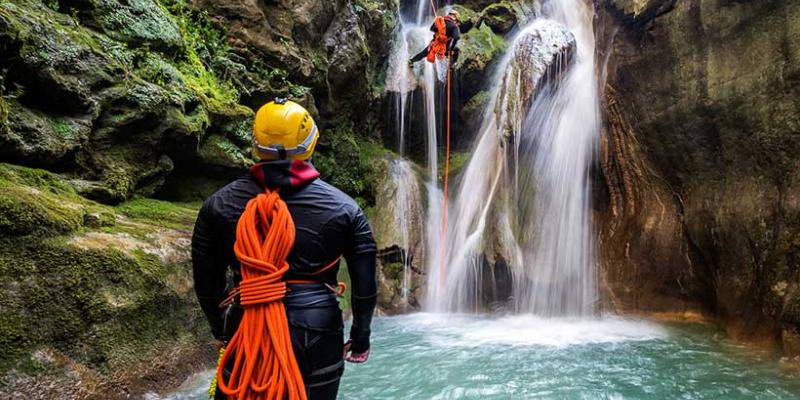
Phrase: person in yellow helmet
x=328 y=224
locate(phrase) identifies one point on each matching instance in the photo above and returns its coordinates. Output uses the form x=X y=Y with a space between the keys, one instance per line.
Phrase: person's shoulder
x=345 y=202
x=243 y=184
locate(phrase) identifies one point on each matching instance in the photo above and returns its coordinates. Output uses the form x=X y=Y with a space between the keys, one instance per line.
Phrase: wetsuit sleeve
x=209 y=268
x=361 y=267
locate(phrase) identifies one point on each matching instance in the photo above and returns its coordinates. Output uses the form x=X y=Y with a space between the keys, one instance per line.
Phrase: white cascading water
x=413 y=35
x=530 y=207
x=407 y=199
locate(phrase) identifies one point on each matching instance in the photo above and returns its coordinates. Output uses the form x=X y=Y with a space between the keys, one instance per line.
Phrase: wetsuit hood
x=284 y=174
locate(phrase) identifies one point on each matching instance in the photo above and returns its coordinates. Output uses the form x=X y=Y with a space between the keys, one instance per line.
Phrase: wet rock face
x=711 y=91
x=335 y=47
x=119 y=94
x=111 y=94
x=398 y=223
x=540 y=55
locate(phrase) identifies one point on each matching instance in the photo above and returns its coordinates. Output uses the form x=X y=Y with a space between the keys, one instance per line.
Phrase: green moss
x=3 y=110
x=465 y=13
x=61 y=127
x=204 y=42
x=457 y=161
x=217 y=150
x=350 y=162
x=474 y=107
x=479 y=47
x=139 y=22
x=98 y=307
x=34 y=201
x=160 y=213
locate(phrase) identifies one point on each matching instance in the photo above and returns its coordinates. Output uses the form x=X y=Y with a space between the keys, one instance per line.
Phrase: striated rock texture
x=706 y=95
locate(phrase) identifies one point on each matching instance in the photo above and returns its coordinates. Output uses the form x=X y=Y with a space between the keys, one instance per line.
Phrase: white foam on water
x=461 y=330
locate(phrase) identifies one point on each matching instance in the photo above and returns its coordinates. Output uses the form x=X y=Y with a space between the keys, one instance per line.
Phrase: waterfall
x=520 y=235
x=413 y=35
x=407 y=202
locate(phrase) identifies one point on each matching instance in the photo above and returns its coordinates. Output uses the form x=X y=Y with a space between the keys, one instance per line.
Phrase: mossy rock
x=136 y=22
x=219 y=151
x=160 y=213
x=502 y=17
x=34 y=201
x=479 y=47
x=55 y=56
x=99 y=307
x=351 y=163
x=38 y=138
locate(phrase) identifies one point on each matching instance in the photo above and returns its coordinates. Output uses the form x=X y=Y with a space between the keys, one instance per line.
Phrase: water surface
x=435 y=356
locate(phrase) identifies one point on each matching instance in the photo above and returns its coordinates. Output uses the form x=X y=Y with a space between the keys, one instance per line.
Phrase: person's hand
x=218 y=345
x=355 y=358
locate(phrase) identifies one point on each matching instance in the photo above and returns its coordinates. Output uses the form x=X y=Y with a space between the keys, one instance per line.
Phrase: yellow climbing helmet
x=283 y=129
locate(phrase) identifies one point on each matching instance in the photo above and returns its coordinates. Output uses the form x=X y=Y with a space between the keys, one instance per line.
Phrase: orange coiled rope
x=264 y=366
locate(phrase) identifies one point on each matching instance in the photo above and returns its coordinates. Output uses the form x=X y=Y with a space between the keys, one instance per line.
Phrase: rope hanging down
x=264 y=366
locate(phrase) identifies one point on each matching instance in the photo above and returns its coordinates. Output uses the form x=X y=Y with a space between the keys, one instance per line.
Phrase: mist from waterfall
x=521 y=216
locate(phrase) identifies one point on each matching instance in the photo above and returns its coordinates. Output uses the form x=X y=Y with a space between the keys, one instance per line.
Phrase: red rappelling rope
x=442 y=248
x=433 y=7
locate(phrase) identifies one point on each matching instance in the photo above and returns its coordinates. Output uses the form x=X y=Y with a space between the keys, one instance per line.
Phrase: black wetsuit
x=328 y=224
x=453 y=33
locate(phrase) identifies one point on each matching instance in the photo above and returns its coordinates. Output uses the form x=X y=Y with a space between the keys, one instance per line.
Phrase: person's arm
x=208 y=269
x=454 y=36
x=361 y=267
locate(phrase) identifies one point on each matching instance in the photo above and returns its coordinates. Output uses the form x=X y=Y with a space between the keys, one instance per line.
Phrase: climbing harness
x=263 y=363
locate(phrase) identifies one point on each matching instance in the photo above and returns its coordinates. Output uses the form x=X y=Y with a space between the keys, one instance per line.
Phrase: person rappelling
x=446 y=33
x=281 y=231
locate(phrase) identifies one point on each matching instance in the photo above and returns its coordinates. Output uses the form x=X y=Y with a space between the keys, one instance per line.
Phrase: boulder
x=540 y=54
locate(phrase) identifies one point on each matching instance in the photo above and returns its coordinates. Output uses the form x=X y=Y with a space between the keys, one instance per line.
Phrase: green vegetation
x=479 y=47
x=34 y=201
x=99 y=307
x=204 y=41
x=218 y=150
x=160 y=213
x=138 y=22
x=458 y=160
x=351 y=162
x=69 y=288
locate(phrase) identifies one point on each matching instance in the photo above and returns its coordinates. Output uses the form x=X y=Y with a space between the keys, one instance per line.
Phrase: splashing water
x=451 y=356
x=521 y=216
